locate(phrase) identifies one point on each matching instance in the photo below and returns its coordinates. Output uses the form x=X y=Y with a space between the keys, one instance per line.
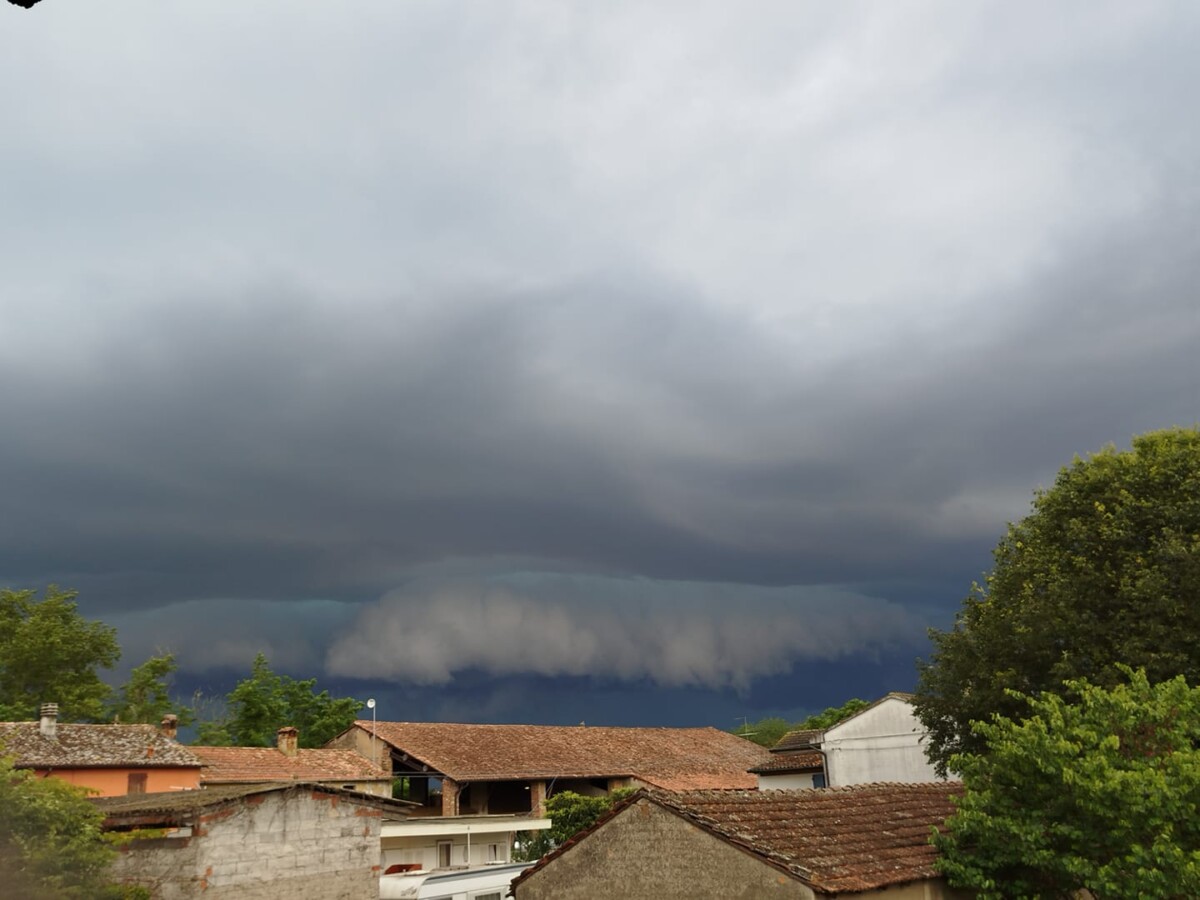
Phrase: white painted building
x=883 y=743
x=425 y=844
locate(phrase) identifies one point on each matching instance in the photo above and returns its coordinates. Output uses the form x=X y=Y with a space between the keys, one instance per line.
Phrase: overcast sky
x=629 y=362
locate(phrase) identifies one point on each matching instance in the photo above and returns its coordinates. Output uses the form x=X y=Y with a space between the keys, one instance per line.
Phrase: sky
x=615 y=362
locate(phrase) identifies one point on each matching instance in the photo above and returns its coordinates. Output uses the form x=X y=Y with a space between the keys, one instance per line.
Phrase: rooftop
x=92 y=746
x=240 y=765
x=179 y=807
x=795 y=761
x=835 y=840
x=798 y=740
x=669 y=758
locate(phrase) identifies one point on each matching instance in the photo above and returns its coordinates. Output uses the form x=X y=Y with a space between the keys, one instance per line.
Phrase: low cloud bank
x=673 y=634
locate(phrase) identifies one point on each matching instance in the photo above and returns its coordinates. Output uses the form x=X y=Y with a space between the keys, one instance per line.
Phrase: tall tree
x=265 y=702
x=146 y=696
x=50 y=653
x=1097 y=790
x=767 y=732
x=1105 y=570
x=51 y=846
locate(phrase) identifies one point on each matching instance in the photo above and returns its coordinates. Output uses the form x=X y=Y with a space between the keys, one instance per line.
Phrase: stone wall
x=295 y=843
x=647 y=853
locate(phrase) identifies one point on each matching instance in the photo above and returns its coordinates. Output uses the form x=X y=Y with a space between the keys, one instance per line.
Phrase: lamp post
x=371 y=707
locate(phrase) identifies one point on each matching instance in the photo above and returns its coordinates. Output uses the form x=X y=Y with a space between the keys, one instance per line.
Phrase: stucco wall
x=792 y=782
x=646 y=853
x=881 y=744
x=298 y=844
x=115 y=782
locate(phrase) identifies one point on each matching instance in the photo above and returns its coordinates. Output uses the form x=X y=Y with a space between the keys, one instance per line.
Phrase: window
x=136 y=783
x=495 y=895
x=443 y=851
x=494 y=853
x=818 y=779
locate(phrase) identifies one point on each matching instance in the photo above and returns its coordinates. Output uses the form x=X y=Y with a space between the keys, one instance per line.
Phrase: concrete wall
x=295 y=843
x=884 y=743
x=115 y=782
x=646 y=853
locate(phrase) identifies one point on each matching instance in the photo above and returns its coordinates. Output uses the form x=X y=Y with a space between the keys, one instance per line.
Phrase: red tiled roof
x=670 y=758
x=92 y=746
x=835 y=840
x=242 y=765
x=798 y=740
x=790 y=762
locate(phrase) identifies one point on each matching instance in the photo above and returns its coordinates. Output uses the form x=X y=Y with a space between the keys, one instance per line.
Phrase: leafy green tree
x=49 y=653
x=146 y=696
x=1105 y=570
x=1096 y=790
x=265 y=702
x=569 y=814
x=829 y=717
x=51 y=846
x=767 y=732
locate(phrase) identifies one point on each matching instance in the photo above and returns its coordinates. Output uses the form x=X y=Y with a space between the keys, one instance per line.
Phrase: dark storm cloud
x=777 y=314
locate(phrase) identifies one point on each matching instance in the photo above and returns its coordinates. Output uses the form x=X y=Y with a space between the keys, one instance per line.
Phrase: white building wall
x=790 y=782
x=882 y=743
x=423 y=850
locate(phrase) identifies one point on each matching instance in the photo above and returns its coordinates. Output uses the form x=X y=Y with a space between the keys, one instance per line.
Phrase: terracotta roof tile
x=177 y=807
x=845 y=839
x=798 y=740
x=92 y=746
x=241 y=765
x=669 y=758
x=790 y=762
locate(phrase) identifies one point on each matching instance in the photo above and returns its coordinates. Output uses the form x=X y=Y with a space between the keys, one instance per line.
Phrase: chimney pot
x=170 y=726
x=49 y=722
x=287 y=740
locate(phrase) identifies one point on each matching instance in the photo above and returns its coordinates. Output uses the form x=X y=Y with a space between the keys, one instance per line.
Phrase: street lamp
x=371 y=707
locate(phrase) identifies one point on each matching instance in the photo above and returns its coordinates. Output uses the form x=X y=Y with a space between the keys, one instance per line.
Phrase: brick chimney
x=286 y=739
x=49 y=723
x=169 y=726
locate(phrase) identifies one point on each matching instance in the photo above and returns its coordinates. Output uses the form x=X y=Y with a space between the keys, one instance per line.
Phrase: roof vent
x=49 y=723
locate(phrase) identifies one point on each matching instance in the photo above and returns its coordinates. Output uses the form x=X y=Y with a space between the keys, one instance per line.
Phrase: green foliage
x=831 y=716
x=145 y=697
x=767 y=732
x=265 y=702
x=51 y=846
x=50 y=654
x=1105 y=570
x=1097 y=790
x=569 y=814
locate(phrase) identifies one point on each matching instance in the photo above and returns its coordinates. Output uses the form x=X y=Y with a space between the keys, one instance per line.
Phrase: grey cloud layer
x=675 y=635
x=295 y=302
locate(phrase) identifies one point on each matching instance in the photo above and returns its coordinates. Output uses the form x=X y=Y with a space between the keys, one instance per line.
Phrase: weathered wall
x=298 y=844
x=646 y=853
x=884 y=743
x=115 y=782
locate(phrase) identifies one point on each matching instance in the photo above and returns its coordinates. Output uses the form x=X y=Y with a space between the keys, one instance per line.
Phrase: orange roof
x=243 y=765
x=671 y=758
x=835 y=840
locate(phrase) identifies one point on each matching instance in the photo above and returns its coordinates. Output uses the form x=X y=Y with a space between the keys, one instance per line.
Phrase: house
x=251 y=842
x=287 y=761
x=454 y=769
x=108 y=759
x=796 y=762
x=882 y=742
x=867 y=841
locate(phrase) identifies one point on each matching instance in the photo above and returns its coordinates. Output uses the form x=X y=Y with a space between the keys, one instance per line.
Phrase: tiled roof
x=671 y=758
x=240 y=765
x=176 y=807
x=847 y=839
x=798 y=740
x=835 y=840
x=799 y=761
x=91 y=746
